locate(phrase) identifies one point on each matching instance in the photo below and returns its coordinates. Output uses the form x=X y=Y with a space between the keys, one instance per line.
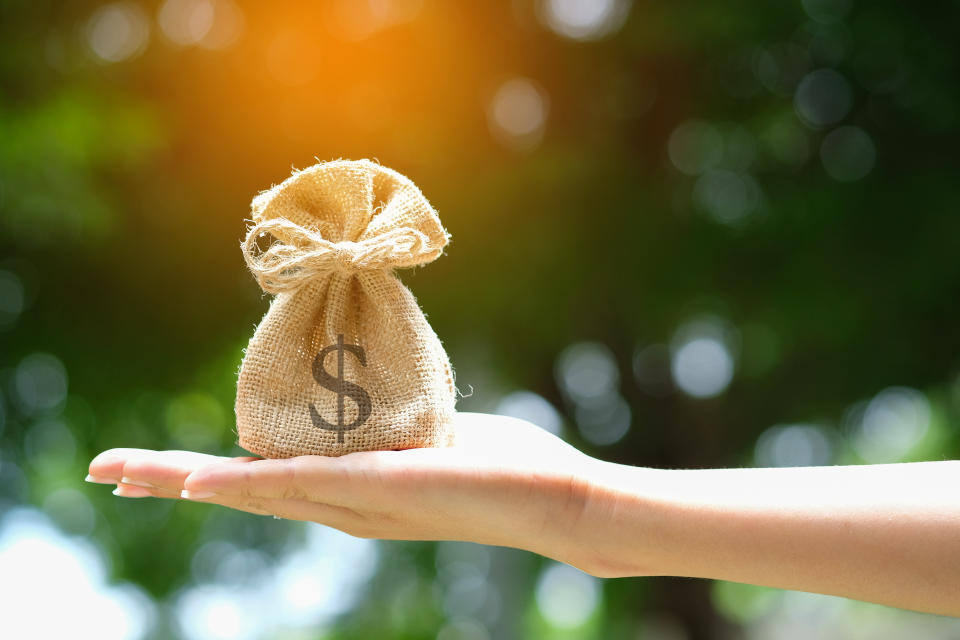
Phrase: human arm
x=885 y=533
x=882 y=533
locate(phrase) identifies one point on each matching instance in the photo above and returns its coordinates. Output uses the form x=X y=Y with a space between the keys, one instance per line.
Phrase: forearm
x=884 y=533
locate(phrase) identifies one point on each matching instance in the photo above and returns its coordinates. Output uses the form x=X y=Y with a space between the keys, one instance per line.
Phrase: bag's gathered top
x=303 y=254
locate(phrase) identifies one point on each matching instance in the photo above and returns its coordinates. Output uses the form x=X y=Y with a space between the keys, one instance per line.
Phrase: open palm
x=505 y=482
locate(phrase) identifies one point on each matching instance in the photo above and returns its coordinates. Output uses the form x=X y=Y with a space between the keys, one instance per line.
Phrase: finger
x=107 y=467
x=337 y=517
x=132 y=491
x=237 y=505
x=341 y=518
x=109 y=464
x=167 y=470
x=317 y=478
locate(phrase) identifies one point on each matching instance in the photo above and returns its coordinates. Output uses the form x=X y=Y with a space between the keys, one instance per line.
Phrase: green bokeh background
x=124 y=189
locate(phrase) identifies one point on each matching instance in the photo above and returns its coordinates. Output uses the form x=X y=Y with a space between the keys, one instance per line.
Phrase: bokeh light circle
x=517 y=114
x=533 y=408
x=702 y=367
x=891 y=424
x=847 y=153
x=823 y=98
x=40 y=382
x=793 y=445
x=118 y=31
x=12 y=298
x=567 y=597
x=587 y=371
x=604 y=421
x=186 y=21
x=826 y=11
x=695 y=146
x=583 y=19
x=726 y=196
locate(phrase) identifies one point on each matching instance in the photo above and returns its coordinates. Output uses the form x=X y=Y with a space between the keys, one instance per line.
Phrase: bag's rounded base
x=277 y=442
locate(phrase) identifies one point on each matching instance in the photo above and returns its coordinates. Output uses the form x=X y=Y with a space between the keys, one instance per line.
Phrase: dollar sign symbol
x=340 y=387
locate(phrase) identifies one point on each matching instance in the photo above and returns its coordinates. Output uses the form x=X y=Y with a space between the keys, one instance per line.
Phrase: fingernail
x=126 y=491
x=196 y=495
x=138 y=483
x=99 y=480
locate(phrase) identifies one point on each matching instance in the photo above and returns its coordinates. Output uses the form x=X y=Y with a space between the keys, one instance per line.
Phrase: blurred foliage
x=689 y=167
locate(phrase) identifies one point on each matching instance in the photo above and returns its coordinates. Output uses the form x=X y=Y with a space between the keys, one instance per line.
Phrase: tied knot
x=346 y=254
x=299 y=254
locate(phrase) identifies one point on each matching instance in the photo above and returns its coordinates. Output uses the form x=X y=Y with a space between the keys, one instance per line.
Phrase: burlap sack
x=344 y=360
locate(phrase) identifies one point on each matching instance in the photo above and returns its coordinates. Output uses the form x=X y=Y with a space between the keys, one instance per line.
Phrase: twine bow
x=300 y=254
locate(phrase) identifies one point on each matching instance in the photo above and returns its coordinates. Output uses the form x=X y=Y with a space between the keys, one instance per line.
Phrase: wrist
x=622 y=528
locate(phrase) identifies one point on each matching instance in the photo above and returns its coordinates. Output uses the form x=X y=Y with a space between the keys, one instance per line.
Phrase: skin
x=882 y=533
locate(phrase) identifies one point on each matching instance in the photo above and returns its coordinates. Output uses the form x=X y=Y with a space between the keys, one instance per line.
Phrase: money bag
x=344 y=360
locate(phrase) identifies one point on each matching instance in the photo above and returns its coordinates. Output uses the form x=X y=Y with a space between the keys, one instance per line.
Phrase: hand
x=882 y=533
x=505 y=482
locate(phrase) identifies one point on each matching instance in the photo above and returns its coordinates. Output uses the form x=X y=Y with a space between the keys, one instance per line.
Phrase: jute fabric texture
x=344 y=360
